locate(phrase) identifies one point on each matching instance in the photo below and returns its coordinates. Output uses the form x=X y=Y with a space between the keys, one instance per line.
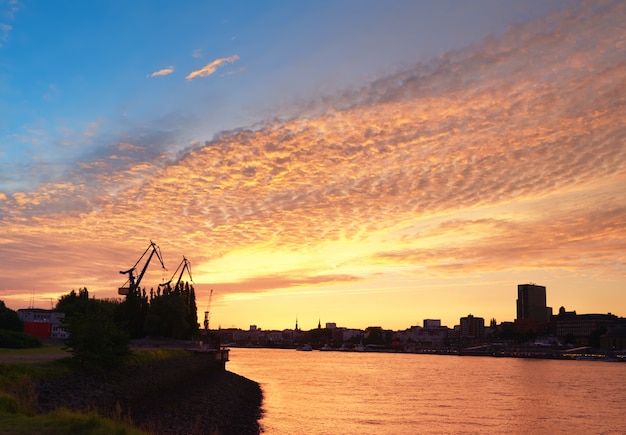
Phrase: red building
x=42 y=323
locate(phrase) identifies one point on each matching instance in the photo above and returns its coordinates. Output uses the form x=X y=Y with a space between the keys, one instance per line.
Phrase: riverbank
x=171 y=396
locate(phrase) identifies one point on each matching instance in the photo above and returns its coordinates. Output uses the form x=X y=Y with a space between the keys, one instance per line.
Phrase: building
x=531 y=303
x=432 y=323
x=532 y=312
x=580 y=327
x=615 y=338
x=472 y=327
x=42 y=323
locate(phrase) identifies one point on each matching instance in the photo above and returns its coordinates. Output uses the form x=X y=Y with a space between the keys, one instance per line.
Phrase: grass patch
x=18 y=398
x=46 y=349
x=62 y=421
x=143 y=356
x=12 y=374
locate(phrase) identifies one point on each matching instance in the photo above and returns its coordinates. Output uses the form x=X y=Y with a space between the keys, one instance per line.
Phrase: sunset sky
x=358 y=162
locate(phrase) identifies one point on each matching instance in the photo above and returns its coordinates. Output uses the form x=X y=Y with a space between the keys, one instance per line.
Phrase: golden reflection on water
x=379 y=393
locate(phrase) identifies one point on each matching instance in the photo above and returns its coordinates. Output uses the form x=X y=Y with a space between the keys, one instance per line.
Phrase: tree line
x=100 y=330
x=12 y=334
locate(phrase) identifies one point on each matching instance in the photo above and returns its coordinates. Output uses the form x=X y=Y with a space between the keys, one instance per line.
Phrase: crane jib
x=135 y=281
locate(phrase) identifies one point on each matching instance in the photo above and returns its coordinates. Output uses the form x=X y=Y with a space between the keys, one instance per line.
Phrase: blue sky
x=357 y=162
x=76 y=76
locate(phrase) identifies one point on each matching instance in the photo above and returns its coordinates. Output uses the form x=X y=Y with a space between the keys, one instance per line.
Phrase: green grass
x=62 y=422
x=146 y=355
x=46 y=349
x=18 y=397
x=12 y=375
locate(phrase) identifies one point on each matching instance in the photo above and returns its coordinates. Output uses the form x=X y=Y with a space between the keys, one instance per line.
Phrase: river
x=383 y=393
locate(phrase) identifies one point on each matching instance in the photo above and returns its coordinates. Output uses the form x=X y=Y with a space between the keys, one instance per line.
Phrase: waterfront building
x=531 y=303
x=430 y=336
x=432 y=324
x=349 y=334
x=581 y=326
x=472 y=327
x=533 y=314
x=615 y=338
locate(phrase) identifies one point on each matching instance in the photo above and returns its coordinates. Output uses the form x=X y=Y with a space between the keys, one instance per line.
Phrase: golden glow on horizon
x=508 y=161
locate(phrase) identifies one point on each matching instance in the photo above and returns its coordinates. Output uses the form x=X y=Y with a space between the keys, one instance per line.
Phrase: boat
x=305 y=348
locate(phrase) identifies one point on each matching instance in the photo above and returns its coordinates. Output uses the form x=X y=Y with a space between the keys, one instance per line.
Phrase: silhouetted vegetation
x=133 y=311
x=375 y=335
x=95 y=337
x=318 y=337
x=100 y=330
x=11 y=331
x=17 y=340
x=166 y=313
x=9 y=319
x=73 y=302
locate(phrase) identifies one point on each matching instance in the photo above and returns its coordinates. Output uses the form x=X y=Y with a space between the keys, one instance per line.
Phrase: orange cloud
x=210 y=68
x=507 y=156
x=163 y=72
x=273 y=282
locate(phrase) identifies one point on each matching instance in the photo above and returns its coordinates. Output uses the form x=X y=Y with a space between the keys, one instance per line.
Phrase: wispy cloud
x=197 y=53
x=163 y=72
x=210 y=68
x=7 y=14
x=272 y=282
x=506 y=156
x=4 y=33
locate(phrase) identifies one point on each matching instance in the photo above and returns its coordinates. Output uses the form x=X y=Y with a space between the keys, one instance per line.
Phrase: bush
x=17 y=340
x=95 y=339
x=9 y=319
x=8 y=403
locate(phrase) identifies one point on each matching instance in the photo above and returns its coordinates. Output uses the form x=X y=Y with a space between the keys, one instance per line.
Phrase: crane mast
x=208 y=309
x=185 y=265
x=135 y=281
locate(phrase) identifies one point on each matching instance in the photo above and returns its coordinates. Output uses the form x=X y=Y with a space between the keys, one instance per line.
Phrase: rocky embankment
x=172 y=396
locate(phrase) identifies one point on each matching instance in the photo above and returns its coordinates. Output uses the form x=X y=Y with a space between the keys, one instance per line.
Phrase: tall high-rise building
x=531 y=303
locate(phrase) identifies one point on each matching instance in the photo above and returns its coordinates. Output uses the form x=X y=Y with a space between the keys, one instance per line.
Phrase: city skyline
x=413 y=159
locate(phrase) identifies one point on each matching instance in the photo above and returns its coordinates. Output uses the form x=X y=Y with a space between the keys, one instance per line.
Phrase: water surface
x=381 y=393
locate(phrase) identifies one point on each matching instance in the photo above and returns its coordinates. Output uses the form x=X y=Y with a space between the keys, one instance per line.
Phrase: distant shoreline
x=526 y=352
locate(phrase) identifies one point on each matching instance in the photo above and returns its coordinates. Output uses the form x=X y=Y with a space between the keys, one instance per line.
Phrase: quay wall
x=180 y=395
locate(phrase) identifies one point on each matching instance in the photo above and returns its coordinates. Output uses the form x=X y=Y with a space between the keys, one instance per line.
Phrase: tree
x=193 y=309
x=9 y=319
x=374 y=335
x=95 y=338
x=168 y=317
x=133 y=311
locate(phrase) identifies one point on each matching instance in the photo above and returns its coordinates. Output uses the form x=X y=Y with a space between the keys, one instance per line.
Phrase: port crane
x=184 y=265
x=133 y=281
x=208 y=309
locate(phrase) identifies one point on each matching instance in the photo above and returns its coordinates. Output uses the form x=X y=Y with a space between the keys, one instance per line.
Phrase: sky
x=365 y=163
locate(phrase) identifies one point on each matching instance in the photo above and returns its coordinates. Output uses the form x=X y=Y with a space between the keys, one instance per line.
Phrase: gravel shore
x=172 y=396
